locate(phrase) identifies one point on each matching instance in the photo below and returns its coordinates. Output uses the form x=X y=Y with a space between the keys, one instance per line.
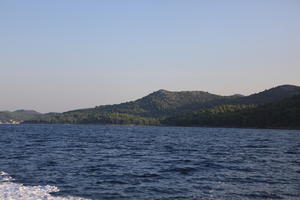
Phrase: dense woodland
x=18 y=115
x=274 y=108
x=280 y=114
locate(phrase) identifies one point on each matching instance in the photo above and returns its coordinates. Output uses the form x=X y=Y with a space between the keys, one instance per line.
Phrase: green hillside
x=163 y=103
x=146 y=110
x=158 y=106
x=280 y=114
x=18 y=115
x=267 y=96
x=270 y=95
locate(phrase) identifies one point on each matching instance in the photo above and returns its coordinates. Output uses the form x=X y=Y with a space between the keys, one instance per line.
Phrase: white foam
x=16 y=191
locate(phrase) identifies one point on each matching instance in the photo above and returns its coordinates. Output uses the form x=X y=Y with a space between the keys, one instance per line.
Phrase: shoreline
x=267 y=128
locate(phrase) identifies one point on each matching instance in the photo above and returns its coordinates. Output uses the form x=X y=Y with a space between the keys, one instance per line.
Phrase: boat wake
x=16 y=191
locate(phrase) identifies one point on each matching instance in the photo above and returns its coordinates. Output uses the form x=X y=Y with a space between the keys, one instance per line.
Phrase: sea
x=102 y=162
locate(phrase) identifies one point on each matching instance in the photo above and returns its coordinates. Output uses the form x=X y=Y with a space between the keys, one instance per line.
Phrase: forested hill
x=267 y=96
x=164 y=103
x=155 y=107
x=280 y=114
x=270 y=95
x=18 y=115
x=147 y=110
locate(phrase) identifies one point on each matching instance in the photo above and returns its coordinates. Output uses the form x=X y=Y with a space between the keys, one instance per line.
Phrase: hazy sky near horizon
x=60 y=55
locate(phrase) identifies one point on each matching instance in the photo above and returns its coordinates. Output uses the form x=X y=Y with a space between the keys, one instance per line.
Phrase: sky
x=59 y=55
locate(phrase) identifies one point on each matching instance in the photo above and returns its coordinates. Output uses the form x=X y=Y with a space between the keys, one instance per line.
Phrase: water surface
x=143 y=163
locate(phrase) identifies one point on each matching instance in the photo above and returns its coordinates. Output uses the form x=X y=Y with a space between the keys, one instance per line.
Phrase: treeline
x=95 y=118
x=18 y=115
x=266 y=109
x=162 y=103
x=282 y=114
x=208 y=117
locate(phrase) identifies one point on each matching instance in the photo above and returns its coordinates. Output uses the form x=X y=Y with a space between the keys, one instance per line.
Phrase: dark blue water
x=124 y=162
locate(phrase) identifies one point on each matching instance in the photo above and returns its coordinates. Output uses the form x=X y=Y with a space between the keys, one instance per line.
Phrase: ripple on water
x=145 y=163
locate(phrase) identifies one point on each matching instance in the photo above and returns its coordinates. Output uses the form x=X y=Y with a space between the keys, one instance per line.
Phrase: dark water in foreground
x=120 y=162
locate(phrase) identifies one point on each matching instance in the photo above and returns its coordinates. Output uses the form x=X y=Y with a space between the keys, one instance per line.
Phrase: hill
x=18 y=115
x=270 y=95
x=163 y=103
x=155 y=107
x=144 y=111
x=267 y=96
x=280 y=114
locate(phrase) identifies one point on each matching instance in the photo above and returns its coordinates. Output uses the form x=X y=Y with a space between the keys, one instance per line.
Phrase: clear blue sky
x=59 y=55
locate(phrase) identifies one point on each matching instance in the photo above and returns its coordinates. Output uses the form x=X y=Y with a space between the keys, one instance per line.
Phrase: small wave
x=16 y=191
x=256 y=146
x=146 y=175
x=181 y=170
x=4 y=177
x=291 y=152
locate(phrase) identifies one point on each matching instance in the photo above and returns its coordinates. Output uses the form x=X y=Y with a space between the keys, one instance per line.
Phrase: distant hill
x=238 y=95
x=163 y=103
x=18 y=115
x=280 y=114
x=155 y=107
x=146 y=110
x=270 y=95
x=267 y=96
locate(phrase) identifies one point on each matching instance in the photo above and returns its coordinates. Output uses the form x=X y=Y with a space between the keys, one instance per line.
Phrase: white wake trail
x=16 y=191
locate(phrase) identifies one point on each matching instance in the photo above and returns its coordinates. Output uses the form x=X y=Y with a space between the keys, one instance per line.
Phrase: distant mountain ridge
x=163 y=102
x=18 y=115
x=155 y=107
x=279 y=114
x=270 y=95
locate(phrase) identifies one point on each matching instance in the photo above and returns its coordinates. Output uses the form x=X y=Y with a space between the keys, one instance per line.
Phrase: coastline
x=162 y=125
